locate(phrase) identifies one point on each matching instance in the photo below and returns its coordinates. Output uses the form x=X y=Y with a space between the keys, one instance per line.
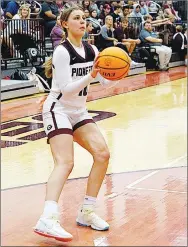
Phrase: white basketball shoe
x=50 y=227
x=87 y=217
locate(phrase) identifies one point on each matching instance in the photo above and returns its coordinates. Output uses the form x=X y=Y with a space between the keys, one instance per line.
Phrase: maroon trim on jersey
x=51 y=110
x=86 y=121
x=53 y=115
x=59 y=132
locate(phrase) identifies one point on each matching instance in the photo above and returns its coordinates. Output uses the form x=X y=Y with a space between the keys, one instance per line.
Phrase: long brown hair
x=63 y=17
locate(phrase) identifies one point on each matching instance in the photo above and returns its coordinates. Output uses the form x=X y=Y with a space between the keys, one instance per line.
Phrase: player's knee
x=66 y=164
x=102 y=156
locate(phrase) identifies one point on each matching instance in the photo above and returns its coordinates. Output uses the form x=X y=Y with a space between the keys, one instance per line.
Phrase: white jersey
x=71 y=66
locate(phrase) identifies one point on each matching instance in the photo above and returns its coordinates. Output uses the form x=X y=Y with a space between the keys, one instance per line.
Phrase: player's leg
x=58 y=129
x=90 y=138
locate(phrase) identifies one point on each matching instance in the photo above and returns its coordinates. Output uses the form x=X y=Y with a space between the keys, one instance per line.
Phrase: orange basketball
x=114 y=63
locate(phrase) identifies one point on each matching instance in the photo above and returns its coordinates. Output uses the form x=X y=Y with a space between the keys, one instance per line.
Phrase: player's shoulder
x=60 y=49
x=95 y=49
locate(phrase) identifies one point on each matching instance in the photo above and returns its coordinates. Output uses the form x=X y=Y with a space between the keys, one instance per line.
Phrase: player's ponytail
x=48 y=68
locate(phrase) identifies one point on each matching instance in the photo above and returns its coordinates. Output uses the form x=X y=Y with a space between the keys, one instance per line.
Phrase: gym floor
x=143 y=197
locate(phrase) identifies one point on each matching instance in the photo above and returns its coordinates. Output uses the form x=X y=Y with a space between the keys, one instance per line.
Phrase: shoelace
x=92 y=215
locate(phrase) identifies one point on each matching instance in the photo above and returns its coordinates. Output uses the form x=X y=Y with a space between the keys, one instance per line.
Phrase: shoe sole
x=51 y=236
x=94 y=228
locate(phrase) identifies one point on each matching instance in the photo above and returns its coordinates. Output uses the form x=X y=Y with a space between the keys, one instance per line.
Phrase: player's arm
x=62 y=73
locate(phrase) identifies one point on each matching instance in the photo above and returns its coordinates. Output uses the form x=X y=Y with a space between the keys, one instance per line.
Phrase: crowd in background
x=126 y=24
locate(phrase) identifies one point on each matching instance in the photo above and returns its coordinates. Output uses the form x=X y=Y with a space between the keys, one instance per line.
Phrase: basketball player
x=65 y=117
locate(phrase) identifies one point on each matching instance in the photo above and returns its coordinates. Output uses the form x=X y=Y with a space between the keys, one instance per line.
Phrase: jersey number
x=83 y=92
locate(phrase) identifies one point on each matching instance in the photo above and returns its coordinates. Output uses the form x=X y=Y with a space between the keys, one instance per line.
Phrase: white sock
x=50 y=208
x=89 y=202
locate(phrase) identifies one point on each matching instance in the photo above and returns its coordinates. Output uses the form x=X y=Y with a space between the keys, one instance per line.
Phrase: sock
x=50 y=208
x=89 y=202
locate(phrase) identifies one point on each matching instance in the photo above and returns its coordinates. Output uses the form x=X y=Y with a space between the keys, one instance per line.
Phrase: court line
x=108 y=174
x=142 y=179
x=152 y=173
x=170 y=191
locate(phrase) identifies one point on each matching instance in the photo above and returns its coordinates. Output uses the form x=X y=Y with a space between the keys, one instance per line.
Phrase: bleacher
x=33 y=51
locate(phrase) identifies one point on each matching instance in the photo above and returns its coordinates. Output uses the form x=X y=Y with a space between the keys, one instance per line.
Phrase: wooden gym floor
x=143 y=197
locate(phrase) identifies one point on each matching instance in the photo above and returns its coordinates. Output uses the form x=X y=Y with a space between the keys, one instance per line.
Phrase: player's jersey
x=79 y=66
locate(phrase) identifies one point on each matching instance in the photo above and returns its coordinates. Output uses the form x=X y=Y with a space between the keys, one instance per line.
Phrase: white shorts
x=60 y=119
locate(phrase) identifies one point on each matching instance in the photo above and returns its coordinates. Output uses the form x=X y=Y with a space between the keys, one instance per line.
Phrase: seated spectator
x=49 y=14
x=153 y=8
x=2 y=20
x=160 y=15
x=116 y=15
x=87 y=37
x=11 y=9
x=106 y=11
x=126 y=11
x=86 y=4
x=136 y=11
x=122 y=35
x=93 y=6
x=19 y=24
x=57 y=34
x=86 y=12
x=107 y=38
x=107 y=33
x=179 y=43
x=93 y=16
x=144 y=8
x=59 y=4
x=147 y=36
x=169 y=10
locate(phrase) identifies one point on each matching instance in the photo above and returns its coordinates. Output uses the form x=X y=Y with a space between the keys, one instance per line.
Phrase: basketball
x=114 y=63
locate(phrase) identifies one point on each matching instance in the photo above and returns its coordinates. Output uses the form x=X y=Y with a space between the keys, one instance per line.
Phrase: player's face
x=76 y=23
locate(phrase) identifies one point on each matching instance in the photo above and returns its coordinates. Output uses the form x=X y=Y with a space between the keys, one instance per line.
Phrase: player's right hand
x=95 y=69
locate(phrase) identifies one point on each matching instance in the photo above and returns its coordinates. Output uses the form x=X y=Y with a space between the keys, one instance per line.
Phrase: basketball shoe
x=87 y=217
x=50 y=227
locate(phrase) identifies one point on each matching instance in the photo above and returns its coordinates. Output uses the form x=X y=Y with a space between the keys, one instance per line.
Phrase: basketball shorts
x=58 y=119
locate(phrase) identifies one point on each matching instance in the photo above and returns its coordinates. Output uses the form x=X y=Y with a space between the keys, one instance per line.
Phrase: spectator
x=150 y=38
x=126 y=12
x=122 y=35
x=49 y=13
x=136 y=12
x=57 y=34
x=2 y=20
x=11 y=9
x=107 y=35
x=60 y=6
x=20 y=24
x=87 y=37
x=86 y=4
x=106 y=11
x=144 y=8
x=87 y=14
x=116 y=15
x=170 y=11
x=93 y=6
x=113 y=4
x=179 y=43
x=160 y=15
x=93 y=16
